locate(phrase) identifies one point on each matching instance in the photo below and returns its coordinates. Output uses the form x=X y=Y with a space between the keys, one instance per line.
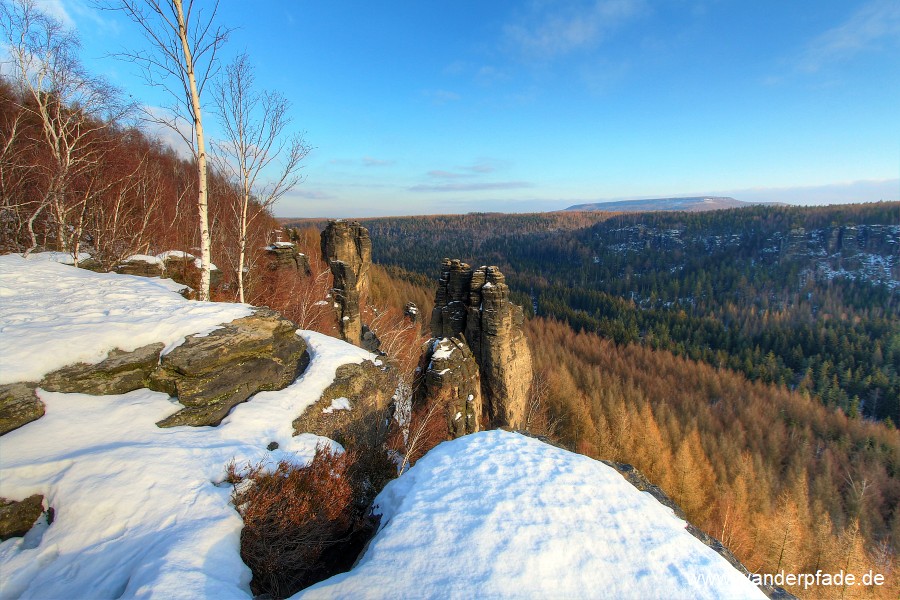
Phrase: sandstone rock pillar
x=347 y=249
x=474 y=306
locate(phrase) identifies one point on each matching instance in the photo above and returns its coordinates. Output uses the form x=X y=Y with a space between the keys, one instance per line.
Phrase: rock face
x=18 y=406
x=452 y=299
x=142 y=266
x=283 y=256
x=476 y=305
x=494 y=332
x=208 y=373
x=357 y=390
x=120 y=373
x=411 y=312
x=212 y=373
x=17 y=517
x=184 y=268
x=347 y=249
x=451 y=380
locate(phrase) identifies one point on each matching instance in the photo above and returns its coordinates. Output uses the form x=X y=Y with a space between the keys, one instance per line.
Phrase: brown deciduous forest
x=130 y=195
x=783 y=481
x=755 y=379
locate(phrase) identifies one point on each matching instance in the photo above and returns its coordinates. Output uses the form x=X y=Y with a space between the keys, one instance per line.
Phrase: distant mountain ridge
x=691 y=204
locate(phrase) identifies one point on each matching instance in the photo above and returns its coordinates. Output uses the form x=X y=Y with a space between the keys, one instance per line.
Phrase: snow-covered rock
x=500 y=515
x=53 y=315
x=141 y=511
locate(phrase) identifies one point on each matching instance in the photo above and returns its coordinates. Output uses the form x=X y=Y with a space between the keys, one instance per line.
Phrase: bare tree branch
x=254 y=125
x=183 y=60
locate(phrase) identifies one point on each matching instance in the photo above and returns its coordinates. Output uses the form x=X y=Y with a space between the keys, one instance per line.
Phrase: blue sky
x=423 y=108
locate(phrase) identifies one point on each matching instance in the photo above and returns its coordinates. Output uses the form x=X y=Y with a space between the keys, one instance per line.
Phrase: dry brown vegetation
x=298 y=521
x=784 y=482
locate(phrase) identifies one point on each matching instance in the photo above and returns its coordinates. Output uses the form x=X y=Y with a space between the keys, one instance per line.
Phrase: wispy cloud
x=867 y=190
x=875 y=23
x=71 y=12
x=312 y=194
x=482 y=166
x=439 y=174
x=472 y=187
x=553 y=29
x=368 y=161
x=161 y=123
x=441 y=97
x=57 y=10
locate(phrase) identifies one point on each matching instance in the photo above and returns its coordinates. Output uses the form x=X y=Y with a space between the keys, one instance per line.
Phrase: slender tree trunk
x=202 y=196
x=243 y=241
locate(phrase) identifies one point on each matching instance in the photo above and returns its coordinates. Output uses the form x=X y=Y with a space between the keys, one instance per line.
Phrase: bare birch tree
x=72 y=107
x=185 y=42
x=254 y=140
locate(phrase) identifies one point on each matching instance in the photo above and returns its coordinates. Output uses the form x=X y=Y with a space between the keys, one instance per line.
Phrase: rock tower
x=474 y=307
x=347 y=249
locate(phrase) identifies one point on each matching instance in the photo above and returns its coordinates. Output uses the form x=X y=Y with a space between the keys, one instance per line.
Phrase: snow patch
x=53 y=315
x=500 y=515
x=140 y=510
x=337 y=404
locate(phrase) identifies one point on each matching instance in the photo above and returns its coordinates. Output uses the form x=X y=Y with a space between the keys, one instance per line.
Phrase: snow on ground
x=499 y=515
x=338 y=404
x=153 y=260
x=63 y=258
x=138 y=511
x=52 y=315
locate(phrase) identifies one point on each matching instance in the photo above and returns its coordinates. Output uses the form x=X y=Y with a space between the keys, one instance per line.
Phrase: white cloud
x=878 y=21
x=368 y=161
x=556 y=29
x=153 y=124
x=471 y=187
x=57 y=10
x=441 y=97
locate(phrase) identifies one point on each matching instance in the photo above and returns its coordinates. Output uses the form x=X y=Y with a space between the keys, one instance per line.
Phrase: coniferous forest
x=746 y=360
x=806 y=298
x=784 y=481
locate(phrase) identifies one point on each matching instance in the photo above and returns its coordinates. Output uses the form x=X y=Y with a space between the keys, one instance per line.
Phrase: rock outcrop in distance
x=283 y=256
x=474 y=307
x=347 y=249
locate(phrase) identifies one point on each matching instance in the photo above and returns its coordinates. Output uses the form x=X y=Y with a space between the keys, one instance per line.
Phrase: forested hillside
x=119 y=193
x=785 y=482
x=807 y=298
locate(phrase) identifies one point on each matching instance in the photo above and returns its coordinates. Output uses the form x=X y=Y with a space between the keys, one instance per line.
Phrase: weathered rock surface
x=476 y=305
x=494 y=332
x=17 y=517
x=212 y=373
x=369 y=340
x=347 y=249
x=451 y=380
x=184 y=268
x=411 y=312
x=365 y=386
x=451 y=300
x=120 y=373
x=283 y=256
x=142 y=266
x=18 y=405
